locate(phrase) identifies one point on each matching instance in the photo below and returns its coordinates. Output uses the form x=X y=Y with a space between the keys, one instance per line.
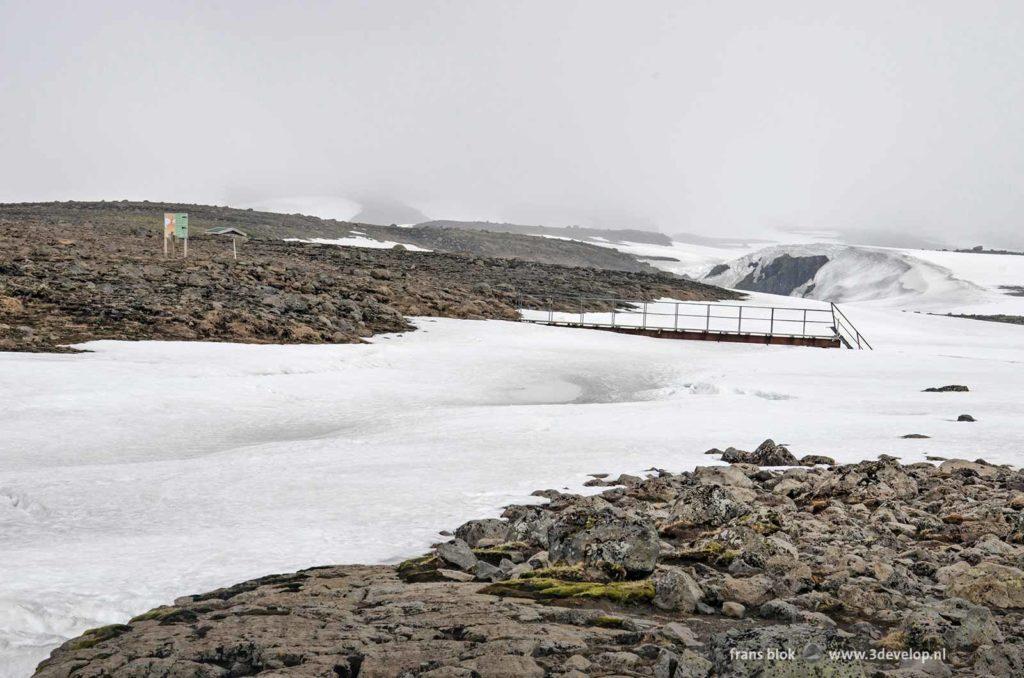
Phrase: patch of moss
x=712 y=552
x=563 y=572
x=608 y=622
x=495 y=554
x=95 y=636
x=623 y=592
x=166 y=615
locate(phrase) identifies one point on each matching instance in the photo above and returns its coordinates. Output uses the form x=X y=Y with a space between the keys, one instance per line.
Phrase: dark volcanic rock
x=815 y=459
x=767 y=453
x=965 y=417
x=958 y=388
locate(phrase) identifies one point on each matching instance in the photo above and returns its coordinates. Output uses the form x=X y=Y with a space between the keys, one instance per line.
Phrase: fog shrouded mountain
x=386 y=211
x=611 y=235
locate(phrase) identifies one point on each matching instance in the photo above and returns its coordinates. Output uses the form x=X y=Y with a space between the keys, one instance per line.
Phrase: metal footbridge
x=825 y=326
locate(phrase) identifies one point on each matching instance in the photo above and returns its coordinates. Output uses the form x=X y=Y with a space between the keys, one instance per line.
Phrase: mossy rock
x=542 y=588
x=96 y=636
x=422 y=569
x=609 y=622
x=166 y=615
x=513 y=550
x=563 y=572
x=712 y=552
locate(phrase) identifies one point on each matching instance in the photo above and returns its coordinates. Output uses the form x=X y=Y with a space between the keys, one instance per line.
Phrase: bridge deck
x=703 y=335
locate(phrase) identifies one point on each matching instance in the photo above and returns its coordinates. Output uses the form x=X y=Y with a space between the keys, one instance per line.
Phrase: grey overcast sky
x=717 y=117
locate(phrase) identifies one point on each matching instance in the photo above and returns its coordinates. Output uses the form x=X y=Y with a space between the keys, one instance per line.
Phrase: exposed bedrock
x=728 y=570
x=783 y=275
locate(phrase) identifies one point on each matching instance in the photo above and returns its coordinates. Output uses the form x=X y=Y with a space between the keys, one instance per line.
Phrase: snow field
x=144 y=471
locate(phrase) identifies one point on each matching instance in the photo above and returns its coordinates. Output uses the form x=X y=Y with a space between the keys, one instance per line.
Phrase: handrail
x=804 y=323
x=542 y=295
x=842 y=322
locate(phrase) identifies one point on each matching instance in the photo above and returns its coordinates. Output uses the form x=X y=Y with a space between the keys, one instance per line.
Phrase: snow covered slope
x=911 y=279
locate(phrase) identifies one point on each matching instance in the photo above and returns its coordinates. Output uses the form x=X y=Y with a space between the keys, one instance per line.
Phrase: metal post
x=739 y=323
x=613 y=313
x=551 y=311
x=771 y=326
x=643 y=322
x=707 y=320
x=676 y=325
x=803 y=330
x=581 y=310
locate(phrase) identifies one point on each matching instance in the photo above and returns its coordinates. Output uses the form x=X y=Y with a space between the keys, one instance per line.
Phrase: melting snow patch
x=360 y=241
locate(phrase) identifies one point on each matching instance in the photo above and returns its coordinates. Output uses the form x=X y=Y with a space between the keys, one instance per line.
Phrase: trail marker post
x=176 y=228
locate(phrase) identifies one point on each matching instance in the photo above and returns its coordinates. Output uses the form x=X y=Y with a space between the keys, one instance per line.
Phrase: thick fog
x=884 y=119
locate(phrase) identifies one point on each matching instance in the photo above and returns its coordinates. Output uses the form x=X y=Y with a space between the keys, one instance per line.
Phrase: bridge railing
x=847 y=333
x=709 y=317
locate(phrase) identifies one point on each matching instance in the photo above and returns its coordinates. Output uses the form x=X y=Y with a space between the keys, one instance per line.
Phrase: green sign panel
x=181 y=225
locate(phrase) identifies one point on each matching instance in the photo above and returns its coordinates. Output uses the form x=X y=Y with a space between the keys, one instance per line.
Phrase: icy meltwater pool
x=140 y=472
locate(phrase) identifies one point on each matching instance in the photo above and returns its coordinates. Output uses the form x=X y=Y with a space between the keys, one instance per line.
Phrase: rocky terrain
x=994 y=318
x=746 y=569
x=126 y=217
x=575 y=232
x=90 y=272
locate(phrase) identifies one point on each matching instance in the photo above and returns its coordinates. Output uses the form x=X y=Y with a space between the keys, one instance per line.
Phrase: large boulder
x=675 y=589
x=457 y=552
x=727 y=476
x=749 y=591
x=953 y=623
x=868 y=480
x=705 y=506
x=607 y=542
x=767 y=453
x=988 y=584
x=490 y=531
x=529 y=524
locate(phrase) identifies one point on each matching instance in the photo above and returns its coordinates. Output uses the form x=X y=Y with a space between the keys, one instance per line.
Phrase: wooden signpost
x=176 y=228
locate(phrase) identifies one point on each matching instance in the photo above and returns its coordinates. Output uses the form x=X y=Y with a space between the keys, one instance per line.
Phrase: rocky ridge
x=747 y=569
x=96 y=277
x=125 y=217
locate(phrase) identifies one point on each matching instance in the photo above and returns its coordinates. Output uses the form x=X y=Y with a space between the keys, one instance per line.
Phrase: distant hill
x=383 y=212
x=574 y=232
x=133 y=218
